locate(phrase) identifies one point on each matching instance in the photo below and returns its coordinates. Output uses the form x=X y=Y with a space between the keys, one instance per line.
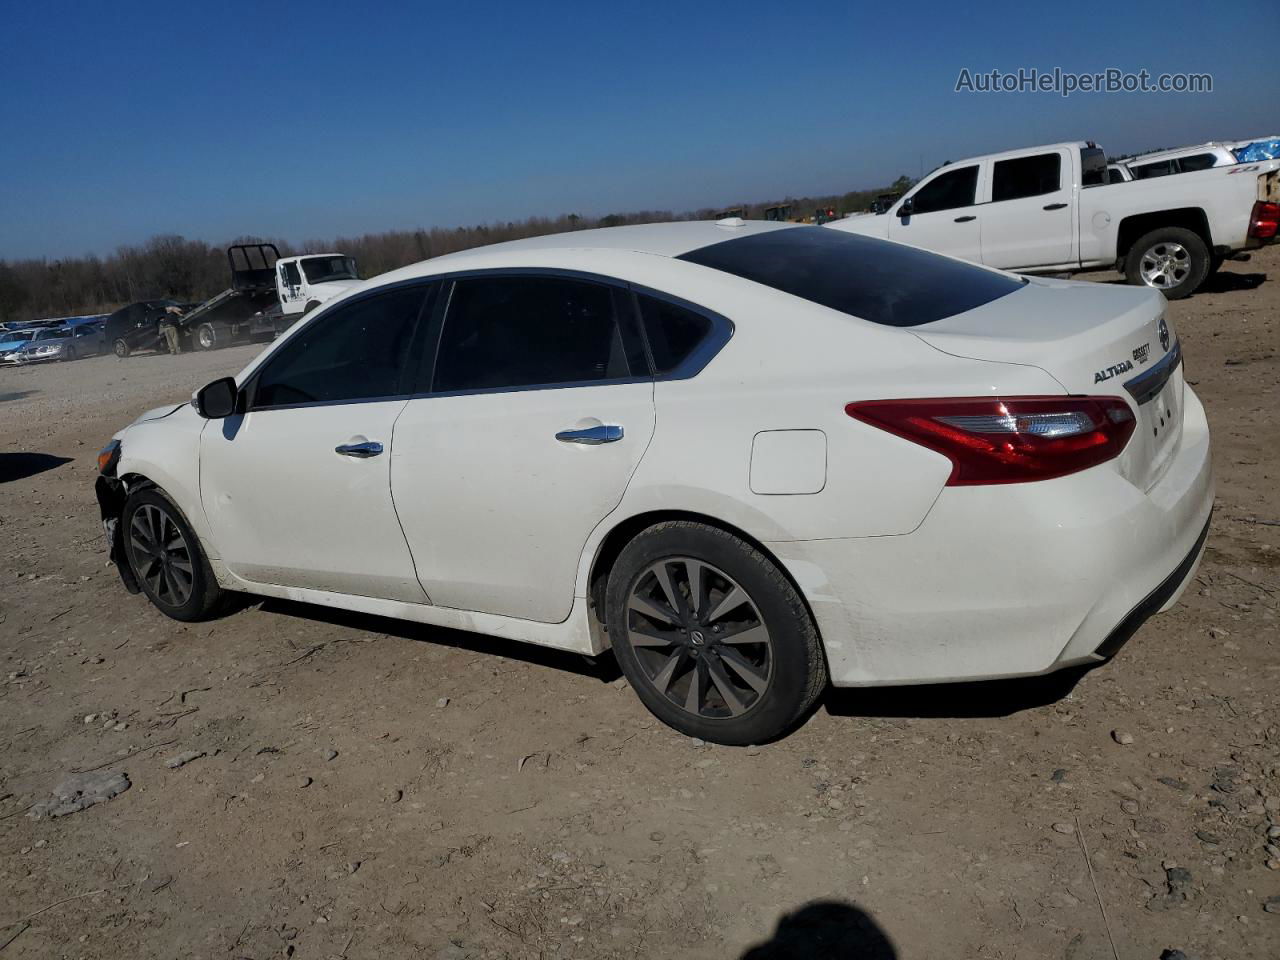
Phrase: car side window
x=522 y=331
x=355 y=351
x=673 y=331
x=1199 y=161
x=1026 y=177
x=1145 y=171
x=955 y=188
x=1115 y=176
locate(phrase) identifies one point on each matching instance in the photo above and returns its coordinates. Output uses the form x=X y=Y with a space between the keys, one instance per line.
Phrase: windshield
x=17 y=336
x=887 y=283
x=324 y=269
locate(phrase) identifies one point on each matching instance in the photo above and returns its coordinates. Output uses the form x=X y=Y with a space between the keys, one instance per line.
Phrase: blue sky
x=301 y=121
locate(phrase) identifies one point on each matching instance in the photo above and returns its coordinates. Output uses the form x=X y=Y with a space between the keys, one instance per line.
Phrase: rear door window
x=1026 y=177
x=1199 y=161
x=1145 y=171
x=674 y=332
x=955 y=188
x=508 y=332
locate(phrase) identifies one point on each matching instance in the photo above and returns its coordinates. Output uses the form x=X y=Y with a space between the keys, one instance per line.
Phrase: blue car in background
x=11 y=341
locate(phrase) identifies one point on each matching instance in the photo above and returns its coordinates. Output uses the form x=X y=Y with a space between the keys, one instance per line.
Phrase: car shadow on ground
x=983 y=698
x=17 y=395
x=603 y=669
x=19 y=466
x=1224 y=282
x=825 y=930
x=1221 y=282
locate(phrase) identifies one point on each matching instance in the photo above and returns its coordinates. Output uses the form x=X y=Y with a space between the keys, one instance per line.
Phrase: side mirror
x=217 y=400
x=907 y=207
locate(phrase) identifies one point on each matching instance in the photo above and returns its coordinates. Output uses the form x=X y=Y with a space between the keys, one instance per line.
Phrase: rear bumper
x=1011 y=581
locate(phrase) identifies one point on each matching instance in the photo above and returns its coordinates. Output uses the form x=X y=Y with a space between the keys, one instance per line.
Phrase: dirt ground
x=377 y=790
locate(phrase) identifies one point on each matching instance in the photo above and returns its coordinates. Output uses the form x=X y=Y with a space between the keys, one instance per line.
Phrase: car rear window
x=885 y=283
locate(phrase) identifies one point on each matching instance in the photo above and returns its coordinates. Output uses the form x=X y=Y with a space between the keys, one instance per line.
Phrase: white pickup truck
x=1050 y=209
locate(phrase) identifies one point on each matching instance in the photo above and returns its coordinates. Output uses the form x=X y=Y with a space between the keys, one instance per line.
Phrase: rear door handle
x=1054 y=206
x=965 y=219
x=604 y=433
x=361 y=451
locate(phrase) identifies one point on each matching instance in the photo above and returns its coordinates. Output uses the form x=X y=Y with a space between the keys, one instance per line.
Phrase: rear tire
x=1173 y=260
x=167 y=559
x=733 y=657
x=121 y=349
x=206 y=337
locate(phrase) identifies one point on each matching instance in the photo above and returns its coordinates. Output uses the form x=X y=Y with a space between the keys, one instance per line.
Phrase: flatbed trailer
x=247 y=310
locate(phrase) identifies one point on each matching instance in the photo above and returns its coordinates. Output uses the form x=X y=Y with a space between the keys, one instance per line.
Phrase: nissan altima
x=753 y=459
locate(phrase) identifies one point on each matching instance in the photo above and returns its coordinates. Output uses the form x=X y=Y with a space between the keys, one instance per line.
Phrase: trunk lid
x=1094 y=339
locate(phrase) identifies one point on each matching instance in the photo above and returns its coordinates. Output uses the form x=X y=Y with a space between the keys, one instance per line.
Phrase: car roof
x=658 y=239
x=1158 y=155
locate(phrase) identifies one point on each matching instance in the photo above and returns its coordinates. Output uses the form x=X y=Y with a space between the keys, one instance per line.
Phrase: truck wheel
x=311 y=305
x=712 y=637
x=1173 y=260
x=206 y=337
x=121 y=349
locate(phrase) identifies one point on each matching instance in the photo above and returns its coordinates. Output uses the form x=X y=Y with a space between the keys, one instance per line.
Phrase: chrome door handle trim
x=361 y=451
x=604 y=433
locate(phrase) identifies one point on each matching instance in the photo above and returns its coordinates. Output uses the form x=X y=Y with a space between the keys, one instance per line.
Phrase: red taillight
x=1264 y=220
x=1009 y=439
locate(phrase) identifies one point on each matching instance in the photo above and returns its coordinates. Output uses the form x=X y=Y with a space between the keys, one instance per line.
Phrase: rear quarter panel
x=792 y=365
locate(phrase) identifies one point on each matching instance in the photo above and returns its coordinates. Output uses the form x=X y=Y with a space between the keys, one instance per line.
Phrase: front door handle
x=965 y=219
x=361 y=451
x=1054 y=206
x=604 y=433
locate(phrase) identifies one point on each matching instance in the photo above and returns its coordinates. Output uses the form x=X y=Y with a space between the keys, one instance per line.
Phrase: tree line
x=191 y=271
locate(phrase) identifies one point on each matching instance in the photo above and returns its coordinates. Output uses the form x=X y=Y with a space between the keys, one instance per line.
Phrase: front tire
x=167 y=559
x=714 y=639
x=121 y=348
x=1173 y=260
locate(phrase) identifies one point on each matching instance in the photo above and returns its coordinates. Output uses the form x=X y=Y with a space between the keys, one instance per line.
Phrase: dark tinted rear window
x=883 y=282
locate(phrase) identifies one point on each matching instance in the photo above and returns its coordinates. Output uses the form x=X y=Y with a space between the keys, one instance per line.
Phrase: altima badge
x=1124 y=366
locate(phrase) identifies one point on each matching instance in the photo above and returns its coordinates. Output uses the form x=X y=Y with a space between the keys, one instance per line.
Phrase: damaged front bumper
x=111 y=493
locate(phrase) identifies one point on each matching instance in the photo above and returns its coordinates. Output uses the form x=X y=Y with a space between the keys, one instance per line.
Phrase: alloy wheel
x=699 y=638
x=1165 y=265
x=161 y=556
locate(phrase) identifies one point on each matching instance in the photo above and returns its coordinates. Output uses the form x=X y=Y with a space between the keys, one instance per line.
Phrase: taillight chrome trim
x=1147 y=386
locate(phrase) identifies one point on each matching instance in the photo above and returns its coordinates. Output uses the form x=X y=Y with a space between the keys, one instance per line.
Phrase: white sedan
x=753 y=459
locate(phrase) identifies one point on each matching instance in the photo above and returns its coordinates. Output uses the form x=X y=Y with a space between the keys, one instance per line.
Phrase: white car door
x=1030 y=219
x=541 y=408
x=944 y=215
x=297 y=489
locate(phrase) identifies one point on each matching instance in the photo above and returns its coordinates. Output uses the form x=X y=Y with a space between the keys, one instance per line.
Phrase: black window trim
x=629 y=321
x=417 y=380
x=407 y=376
x=720 y=334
